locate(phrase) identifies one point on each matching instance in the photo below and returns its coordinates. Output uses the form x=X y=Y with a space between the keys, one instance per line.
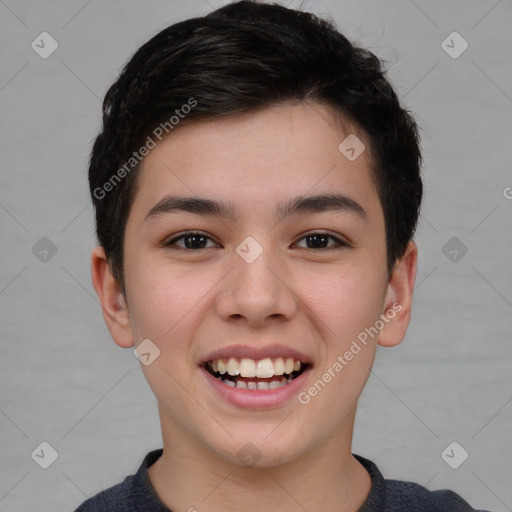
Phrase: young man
x=256 y=186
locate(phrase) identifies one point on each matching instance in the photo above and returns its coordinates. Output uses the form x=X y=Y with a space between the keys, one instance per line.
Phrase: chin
x=259 y=451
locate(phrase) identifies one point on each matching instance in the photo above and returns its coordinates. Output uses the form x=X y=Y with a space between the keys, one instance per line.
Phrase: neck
x=189 y=477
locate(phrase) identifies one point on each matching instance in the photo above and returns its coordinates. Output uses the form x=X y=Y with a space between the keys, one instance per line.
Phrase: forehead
x=256 y=160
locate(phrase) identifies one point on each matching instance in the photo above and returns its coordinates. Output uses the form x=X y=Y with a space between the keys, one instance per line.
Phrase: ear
x=113 y=304
x=398 y=301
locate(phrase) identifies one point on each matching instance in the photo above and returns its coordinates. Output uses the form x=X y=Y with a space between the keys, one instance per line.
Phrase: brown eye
x=191 y=240
x=320 y=240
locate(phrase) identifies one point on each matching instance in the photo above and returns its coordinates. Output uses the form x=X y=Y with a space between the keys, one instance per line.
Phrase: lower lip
x=256 y=399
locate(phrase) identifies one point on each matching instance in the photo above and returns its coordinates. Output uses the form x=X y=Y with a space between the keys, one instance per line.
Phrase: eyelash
x=339 y=243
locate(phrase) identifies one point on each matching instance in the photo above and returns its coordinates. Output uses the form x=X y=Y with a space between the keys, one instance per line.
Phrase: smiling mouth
x=258 y=375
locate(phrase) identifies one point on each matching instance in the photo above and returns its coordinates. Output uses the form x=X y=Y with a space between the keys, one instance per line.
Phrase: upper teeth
x=264 y=368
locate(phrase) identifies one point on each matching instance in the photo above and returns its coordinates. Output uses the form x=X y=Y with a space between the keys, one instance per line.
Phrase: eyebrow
x=225 y=209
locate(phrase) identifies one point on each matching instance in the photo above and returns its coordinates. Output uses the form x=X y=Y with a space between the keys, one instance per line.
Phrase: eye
x=192 y=240
x=319 y=239
x=195 y=240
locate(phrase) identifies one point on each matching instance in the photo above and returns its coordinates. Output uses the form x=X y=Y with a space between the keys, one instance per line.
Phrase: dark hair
x=241 y=57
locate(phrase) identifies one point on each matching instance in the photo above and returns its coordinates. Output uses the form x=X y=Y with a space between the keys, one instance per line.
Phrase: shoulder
x=115 y=499
x=400 y=496
x=133 y=494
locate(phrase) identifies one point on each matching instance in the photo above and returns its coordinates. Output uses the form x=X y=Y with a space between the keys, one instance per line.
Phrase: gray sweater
x=136 y=494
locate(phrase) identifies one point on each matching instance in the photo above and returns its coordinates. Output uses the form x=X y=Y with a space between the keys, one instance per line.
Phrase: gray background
x=62 y=378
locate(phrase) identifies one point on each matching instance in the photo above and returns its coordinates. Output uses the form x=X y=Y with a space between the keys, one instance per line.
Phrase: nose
x=257 y=292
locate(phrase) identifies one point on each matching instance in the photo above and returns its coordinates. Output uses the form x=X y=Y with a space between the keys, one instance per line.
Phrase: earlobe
x=113 y=304
x=398 y=301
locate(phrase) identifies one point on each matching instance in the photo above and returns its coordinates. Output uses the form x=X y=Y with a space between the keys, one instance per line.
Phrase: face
x=258 y=279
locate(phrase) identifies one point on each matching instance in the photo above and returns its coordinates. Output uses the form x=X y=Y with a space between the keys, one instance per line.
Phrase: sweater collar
x=375 y=499
x=143 y=486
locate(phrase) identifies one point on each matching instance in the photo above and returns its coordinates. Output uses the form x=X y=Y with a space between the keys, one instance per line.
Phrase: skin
x=315 y=300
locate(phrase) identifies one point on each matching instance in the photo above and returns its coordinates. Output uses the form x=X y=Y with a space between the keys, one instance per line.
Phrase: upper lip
x=245 y=351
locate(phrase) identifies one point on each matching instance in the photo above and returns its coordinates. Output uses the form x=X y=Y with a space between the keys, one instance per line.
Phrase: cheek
x=346 y=301
x=346 y=305
x=167 y=300
x=166 y=309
